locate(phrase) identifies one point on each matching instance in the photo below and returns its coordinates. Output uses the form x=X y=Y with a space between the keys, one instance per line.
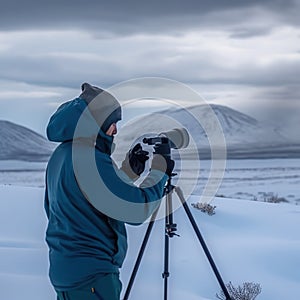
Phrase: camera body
x=156 y=140
x=176 y=138
x=162 y=145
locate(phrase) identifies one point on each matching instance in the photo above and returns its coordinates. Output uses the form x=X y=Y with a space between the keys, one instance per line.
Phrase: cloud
x=245 y=32
x=131 y=17
x=51 y=58
x=235 y=50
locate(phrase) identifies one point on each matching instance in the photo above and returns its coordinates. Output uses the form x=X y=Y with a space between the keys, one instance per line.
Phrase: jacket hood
x=83 y=117
x=73 y=120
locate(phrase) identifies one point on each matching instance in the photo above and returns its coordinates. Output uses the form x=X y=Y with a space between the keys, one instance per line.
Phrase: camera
x=176 y=138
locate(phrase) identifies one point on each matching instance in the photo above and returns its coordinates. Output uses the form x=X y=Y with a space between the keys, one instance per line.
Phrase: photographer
x=86 y=246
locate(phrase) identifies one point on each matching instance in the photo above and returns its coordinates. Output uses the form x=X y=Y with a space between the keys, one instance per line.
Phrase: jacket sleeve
x=121 y=199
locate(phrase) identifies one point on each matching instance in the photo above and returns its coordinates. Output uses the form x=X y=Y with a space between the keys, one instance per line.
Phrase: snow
x=24 y=173
x=252 y=179
x=249 y=240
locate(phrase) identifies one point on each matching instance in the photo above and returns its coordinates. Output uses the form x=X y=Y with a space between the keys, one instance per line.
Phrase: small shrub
x=220 y=196
x=273 y=198
x=205 y=207
x=248 y=291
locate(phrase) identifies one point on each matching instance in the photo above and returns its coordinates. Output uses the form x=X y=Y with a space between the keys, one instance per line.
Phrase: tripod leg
x=166 y=273
x=202 y=242
x=140 y=255
x=168 y=222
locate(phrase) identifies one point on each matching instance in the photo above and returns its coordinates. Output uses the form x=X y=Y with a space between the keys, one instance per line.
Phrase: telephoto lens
x=177 y=138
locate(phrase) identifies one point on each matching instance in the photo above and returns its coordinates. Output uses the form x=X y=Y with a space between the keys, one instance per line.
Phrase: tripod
x=170 y=231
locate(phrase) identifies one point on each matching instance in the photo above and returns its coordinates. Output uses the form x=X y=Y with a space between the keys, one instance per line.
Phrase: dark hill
x=20 y=143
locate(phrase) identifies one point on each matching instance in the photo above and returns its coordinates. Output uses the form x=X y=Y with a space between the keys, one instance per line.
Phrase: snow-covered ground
x=24 y=173
x=257 y=179
x=250 y=241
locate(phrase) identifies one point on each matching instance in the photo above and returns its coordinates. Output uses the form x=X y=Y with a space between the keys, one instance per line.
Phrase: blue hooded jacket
x=83 y=241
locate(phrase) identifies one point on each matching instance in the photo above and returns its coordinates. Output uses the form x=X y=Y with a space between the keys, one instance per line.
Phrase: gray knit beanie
x=104 y=107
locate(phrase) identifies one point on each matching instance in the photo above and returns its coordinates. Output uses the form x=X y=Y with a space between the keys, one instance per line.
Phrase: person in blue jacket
x=87 y=244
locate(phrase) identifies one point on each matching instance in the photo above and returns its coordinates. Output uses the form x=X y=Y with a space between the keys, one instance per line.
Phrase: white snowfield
x=250 y=241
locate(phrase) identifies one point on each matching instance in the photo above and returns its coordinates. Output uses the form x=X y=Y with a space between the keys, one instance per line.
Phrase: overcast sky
x=240 y=53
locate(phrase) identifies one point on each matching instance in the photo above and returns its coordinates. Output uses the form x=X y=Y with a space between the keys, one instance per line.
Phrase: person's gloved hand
x=162 y=159
x=134 y=162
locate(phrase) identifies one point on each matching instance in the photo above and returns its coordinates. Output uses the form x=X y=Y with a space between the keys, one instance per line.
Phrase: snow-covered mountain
x=240 y=128
x=245 y=137
x=20 y=143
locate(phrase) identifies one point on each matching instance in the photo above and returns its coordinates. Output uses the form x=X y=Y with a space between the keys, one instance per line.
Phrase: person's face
x=112 y=130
